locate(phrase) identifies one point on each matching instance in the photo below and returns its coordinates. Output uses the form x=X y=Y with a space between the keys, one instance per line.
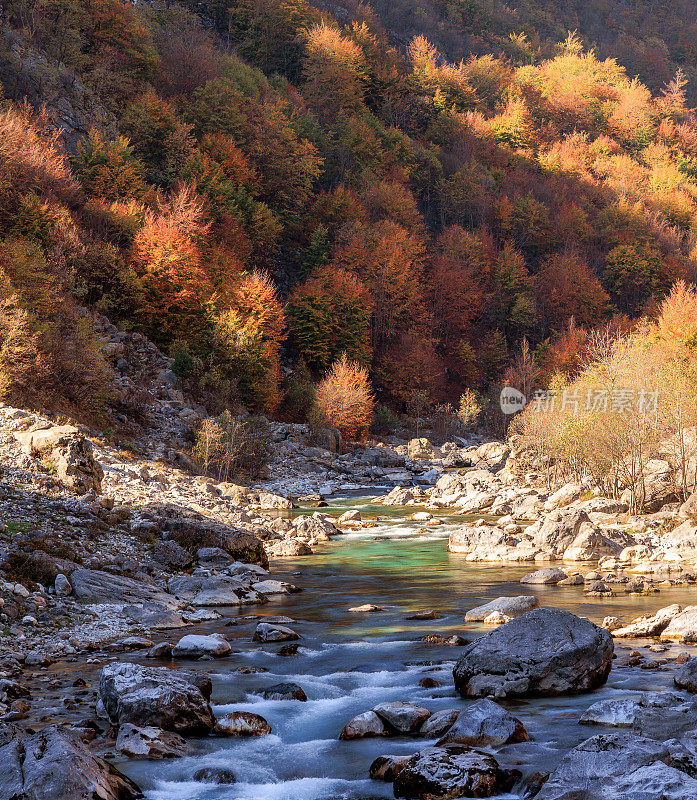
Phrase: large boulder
x=568 y=493
x=421 y=449
x=619 y=766
x=289 y=548
x=95 y=586
x=404 y=496
x=316 y=527
x=484 y=543
x=508 y=606
x=196 y=645
x=441 y=773
x=170 y=555
x=686 y=676
x=680 y=544
x=174 y=700
x=559 y=529
x=67 y=451
x=545 y=651
x=682 y=627
x=452 y=489
x=483 y=724
x=193 y=531
x=54 y=764
x=213 y=590
x=657 y=715
x=491 y=456
x=592 y=543
x=270 y=501
x=648 y=625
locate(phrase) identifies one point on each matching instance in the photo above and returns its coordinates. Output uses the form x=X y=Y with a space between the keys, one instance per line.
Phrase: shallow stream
x=348 y=662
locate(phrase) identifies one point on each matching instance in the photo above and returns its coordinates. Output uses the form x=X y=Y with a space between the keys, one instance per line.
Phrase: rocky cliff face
x=27 y=75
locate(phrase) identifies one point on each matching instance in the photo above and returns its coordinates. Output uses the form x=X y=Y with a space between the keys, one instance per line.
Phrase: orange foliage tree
x=335 y=72
x=167 y=259
x=345 y=400
x=389 y=260
x=328 y=315
x=566 y=287
x=249 y=334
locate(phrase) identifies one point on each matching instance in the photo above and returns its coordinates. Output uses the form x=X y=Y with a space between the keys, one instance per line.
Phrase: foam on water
x=347 y=663
x=299 y=789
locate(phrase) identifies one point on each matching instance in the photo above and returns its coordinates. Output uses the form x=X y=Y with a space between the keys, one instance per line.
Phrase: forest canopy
x=265 y=189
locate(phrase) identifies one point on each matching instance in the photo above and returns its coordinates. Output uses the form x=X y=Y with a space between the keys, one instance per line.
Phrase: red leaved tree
x=345 y=400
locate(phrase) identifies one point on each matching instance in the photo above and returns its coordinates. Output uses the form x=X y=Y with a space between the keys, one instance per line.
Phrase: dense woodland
x=452 y=201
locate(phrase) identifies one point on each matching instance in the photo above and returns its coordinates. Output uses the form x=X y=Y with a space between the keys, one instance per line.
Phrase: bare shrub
x=228 y=446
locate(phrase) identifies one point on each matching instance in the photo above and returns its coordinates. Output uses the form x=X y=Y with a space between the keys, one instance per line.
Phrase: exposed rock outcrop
x=54 y=764
x=545 y=651
x=174 y=700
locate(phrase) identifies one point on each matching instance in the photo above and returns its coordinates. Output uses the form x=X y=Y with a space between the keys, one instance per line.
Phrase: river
x=348 y=662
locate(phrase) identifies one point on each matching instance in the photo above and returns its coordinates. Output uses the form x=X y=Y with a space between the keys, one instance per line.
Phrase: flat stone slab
x=546 y=577
x=96 y=586
x=509 y=606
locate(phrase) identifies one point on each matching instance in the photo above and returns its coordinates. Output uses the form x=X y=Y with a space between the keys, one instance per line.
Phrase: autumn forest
x=271 y=189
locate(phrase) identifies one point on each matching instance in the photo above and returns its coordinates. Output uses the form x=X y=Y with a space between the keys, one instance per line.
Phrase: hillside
x=650 y=40
x=263 y=188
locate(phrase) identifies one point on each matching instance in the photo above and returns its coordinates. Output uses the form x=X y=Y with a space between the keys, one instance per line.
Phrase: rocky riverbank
x=109 y=550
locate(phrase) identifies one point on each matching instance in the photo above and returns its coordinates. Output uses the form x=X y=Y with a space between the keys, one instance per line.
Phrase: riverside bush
x=344 y=399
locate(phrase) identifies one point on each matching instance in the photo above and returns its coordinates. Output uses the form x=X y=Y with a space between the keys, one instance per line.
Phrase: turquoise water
x=348 y=662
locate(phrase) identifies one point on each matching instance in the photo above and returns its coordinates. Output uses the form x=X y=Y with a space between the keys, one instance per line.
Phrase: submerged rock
x=219 y=775
x=485 y=723
x=274 y=633
x=283 y=691
x=545 y=651
x=366 y=608
x=441 y=773
x=442 y=640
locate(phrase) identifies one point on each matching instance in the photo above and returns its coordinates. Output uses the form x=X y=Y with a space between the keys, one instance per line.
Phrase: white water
x=348 y=662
